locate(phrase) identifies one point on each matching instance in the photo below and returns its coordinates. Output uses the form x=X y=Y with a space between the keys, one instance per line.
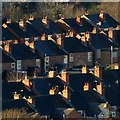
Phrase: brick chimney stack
x=78 y=19
x=94 y=30
x=22 y=24
x=45 y=20
x=110 y=33
x=9 y=21
x=84 y=69
x=31 y=17
x=118 y=27
x=87 y=35
x=98 y=71
x=102 y=15
x=59 y=40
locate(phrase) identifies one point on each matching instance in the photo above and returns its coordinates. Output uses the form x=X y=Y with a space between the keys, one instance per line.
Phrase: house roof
x=30 y=29
x=49 y=29
x=8 y=90
x=18 y=30
x=88 y=101
x=43 y=85
x=49 y=48
x=17 y=104
x=7 y=35
x=112 y=95
x=117 y=36
x=79 y=27
x=6 y=57
x=101 y=41
x=109 y=21
x=77 y=81
x=110 y=77
x=47 y=105
x=73 y=45
x=22 y=52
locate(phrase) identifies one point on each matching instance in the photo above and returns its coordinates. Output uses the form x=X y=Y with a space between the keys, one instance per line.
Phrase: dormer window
x=99 y=23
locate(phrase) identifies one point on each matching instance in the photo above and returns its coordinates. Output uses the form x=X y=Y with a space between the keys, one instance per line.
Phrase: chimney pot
x=94 y=30
x=102 y=15
x=78 y=19
x=31 y=17
x=110 y=32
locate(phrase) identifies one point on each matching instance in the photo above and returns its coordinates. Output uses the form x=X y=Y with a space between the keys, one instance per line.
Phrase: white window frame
x=65 y=59
x=98 y=53
x=35 y=38
x=89 y=56
x=71 y=58
x=38 y=62
x=19 y=66
x=115 y=54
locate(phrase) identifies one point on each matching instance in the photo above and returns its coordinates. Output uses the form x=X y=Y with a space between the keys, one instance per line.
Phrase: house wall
x=27 y=63
x=5 y=66
x=80 y=59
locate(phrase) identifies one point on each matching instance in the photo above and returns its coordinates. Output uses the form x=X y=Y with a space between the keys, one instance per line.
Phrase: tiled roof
x=17 y=104
x=73 y=45
x=49 y=48
x=18 y=31
x=109 y=21
x=117 y=36
x=79 y=27
x=101 y=41
x=7 y=35
x=49 y=29
x=43 y=85
x=6 y=57
x=22 y=52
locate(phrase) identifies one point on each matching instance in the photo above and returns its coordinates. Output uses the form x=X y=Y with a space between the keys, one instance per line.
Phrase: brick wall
x=80 y=59
x=27 y=63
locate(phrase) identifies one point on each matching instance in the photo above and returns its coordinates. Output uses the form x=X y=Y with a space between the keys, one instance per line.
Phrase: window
x=38 y=62
x=89 y=56
x=13 y=65
x=98 y=53
x=115 y=54
x=47 y=61
x=65 y=59
x=18 y=64
x=71 y=57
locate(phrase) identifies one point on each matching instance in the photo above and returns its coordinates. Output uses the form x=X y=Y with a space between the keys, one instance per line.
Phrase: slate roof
x=88 y=101
x=49 y=48
x=47 y=105
x=73 y=45
x=109 y=21
x=112 y=95
x=17 y=104
x=52 y=28
x=43 y=85
x=18 y=30
x=22 y=52
x=77 y=81
x=79 y=27
x=7 y=35
x=8 y=89
x=6 y=57
x=111 y=76
x=117 y=36
x=101 y=41
x=31 y=30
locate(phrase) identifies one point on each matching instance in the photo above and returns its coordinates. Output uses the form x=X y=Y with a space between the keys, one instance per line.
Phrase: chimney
x=83 y=38
x=110 y=33
x=78 y=19
x=87 y=35
x=52 y=73
x=65 y=76
x=59 y=40
x=98 y=71
x=8 y=21
x=7 y=47
x=43 y=37
x=86 y=86
x=100 y=88
x=45 y=20
x=30 y=100
x=94 y=30
x=31 y=17
x=118 y=27
x=84 y=69
x=22 y=24
x=31 y=45
x=17 y=96
x=102 y=15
